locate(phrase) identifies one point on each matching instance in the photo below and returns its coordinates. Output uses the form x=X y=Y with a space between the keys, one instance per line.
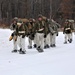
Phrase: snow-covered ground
x=53 y=61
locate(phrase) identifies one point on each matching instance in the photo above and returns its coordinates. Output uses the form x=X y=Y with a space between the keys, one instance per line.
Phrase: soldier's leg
x=22 y=41
x=65 y=38
x=30 y=43
x=69 y=38
x=47 y=41
x=38 y=40
x=42 y=41
x=35 y=41
x=54 y=40
x=19 y=42
x=23 y=44
x=51 y=36
x=14 y=46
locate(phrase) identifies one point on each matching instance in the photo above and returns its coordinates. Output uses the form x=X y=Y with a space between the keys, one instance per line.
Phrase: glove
x=12 y=34
x=44 y=36
x=13 y=26
x=23 y=36
x=33 y=35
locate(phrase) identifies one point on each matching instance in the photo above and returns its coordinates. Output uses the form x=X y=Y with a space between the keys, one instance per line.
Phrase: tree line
x=29 y=9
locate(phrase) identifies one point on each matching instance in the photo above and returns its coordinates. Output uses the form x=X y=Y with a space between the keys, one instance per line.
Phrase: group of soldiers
x=42 y=32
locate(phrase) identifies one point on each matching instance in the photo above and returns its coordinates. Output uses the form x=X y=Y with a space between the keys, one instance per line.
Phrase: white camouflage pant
x=30 y=41
x=47 y=40
x=40 y=40
x=21 y=42
x=52 y=39
x=68 y=37
x=14 y=45
x=35 y=39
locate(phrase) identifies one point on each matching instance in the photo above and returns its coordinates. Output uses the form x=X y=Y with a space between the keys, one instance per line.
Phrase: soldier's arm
x=35 y=27
x=64 y=29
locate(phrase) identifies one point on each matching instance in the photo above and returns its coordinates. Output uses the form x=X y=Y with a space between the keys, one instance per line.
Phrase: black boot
x=54 y=45
x=51 y=45
x=14 y=51
x=21 y=52
x=35 y=45
x=70 y=41
x=47 y=46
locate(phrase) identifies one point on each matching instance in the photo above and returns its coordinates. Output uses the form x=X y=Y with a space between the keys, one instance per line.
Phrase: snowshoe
x=29 y=47
x=65 y=42
x=47 y=46
x=14 y=51
x=22 y=52
x=39 y=49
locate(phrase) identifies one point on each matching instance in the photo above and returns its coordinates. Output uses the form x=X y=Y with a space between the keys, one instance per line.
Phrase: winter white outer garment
x=35 y=39
x=13 y=28
x=47 y=40
x=30 y=41
x=52 y=39
x=14 y=45
x=68 y=37
x=21 y=42
x=40 y=40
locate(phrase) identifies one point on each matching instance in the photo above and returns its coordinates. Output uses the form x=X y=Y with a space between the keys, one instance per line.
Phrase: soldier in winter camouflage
x=47 y=32
x=68 y=32
x=40 y=30
x=21 y=31
x=53 y=32
x=31 y=32
x=13 y=35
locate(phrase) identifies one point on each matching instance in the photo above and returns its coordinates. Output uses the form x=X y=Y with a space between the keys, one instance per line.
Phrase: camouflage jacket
x=41 y=27
x=31 y=27
x=53 y=28
x=21 y=30
x=13 y=26
x=67 y=28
